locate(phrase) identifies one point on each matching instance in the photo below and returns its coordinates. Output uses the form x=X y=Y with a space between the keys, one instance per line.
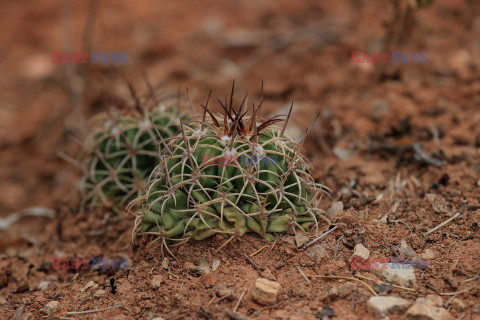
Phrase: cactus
x=122 y=150
x=229 y=175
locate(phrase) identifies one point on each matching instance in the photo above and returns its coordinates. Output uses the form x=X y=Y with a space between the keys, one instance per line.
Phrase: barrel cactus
x=230 y=174
x=122 y=149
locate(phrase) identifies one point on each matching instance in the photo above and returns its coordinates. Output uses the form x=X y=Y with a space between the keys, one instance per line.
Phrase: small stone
x=301 y=239
x=428 y=254
x=215 y=263
x=475 y=308
x=3 y=301
x=89 y=285
x=458 y=305
x=422 y=309
x=157 y=281
x=406 y=249
x=347 y=288
x=331 y=292
x=189 y=266
x=265 y=291
x=43 y=285
x=203 y=265
x=278 y=264
x=378 y=109
x=50 y=307
x=435 y=300
x=99 y=293
x=451 y=281
x=382 y=288
x=334 y=209
x=208 y=280
x=361 y=252
x=225 y=293
x=401 y=274
x=316 y=253
x=342 y=154
x=383 y=306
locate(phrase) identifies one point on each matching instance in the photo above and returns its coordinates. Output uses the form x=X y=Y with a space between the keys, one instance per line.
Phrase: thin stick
x=458 y=292
x=319 y=237
x=393 y=285
x=458 y=214
x=224 y=244
x=210 y=302
x=94 y=311
x=258 y=250
x=347 y=278
x=240 y=299
x=256 y=266
x=234 y=315
x=303 y=274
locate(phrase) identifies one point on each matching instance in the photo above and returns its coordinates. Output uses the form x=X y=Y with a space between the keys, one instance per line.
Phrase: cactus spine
x=229 y=175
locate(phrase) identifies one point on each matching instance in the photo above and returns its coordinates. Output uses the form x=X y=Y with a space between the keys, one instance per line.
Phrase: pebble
x=347 y=288
x=383 y=306
x=189 y=266
x=43 y=285
x=382 y=288
x=334 y=209
x=451 y=281
x=265 y=291
x=476 y=308
x=89 y=285
x=361 y=252
x=403 y=275
x=437 y=301
x=301 y=239
x=203 y=265
x=50 y=307
x=378 y=109
x=422 y=309
x=99 y=293
x=208 y=280
x=428 y=254
x=331 y=292
x=458 y=305
x=316 y=253
x=215 y=264
x=224 y=292
x=157 y=281
x=406 y=249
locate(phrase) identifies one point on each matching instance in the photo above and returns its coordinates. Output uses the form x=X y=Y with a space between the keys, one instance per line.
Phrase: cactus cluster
x=122 y=149
x=229 y=174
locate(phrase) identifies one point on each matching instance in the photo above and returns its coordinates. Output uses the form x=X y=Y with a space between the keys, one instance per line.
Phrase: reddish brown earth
x=302 y=51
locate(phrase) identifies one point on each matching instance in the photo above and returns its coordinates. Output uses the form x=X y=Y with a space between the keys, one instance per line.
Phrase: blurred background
x=301 y=50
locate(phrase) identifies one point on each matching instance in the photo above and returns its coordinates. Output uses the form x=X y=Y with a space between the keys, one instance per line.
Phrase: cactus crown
x=122 y=150
x=229 y=174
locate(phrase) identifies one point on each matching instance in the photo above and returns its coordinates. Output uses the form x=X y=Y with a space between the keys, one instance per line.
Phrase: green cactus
x=122 y=150
x=230 y=177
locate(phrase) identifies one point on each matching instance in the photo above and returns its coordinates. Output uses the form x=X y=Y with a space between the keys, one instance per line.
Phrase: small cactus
x=122 y=149
x=230 y=175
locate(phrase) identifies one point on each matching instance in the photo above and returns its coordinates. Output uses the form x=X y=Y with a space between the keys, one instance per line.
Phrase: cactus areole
x=229 y=174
